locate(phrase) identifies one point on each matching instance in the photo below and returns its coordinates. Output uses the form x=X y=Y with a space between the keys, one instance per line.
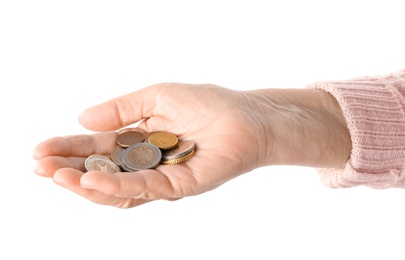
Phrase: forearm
x=305 y=127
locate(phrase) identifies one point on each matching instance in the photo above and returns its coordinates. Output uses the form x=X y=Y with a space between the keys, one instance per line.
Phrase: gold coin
x=163 y=140
x=179 y=160
x=129 y=138
x=147 y=136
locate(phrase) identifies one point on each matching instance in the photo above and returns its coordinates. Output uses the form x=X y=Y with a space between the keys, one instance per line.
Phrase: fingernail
x=84 y=116
x=85 y=182
x=39 y=170
x=58 y=179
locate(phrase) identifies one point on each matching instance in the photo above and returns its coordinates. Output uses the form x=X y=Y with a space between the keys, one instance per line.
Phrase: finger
x=70 y=179
x=121 y=111
x=145 y=184
x=76 y=145
x=47 y=166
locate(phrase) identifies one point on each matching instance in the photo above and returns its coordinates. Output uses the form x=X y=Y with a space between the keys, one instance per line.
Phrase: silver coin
x=182 y=149
x=141 y=156
x=124 y=168
x=116 y=154
x=101 y=163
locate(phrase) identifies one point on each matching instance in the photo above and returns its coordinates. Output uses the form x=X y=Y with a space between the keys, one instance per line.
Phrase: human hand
x=227 y=132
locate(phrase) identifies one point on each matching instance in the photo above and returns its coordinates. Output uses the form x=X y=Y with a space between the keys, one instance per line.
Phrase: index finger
x=76 y=145
x=121 y=111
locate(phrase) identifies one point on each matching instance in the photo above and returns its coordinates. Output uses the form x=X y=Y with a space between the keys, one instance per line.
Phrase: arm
x=374 y=109
x=236 y=132
x=306 y=127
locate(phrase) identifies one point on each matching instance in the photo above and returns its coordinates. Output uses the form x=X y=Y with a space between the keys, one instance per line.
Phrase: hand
x=226 y=130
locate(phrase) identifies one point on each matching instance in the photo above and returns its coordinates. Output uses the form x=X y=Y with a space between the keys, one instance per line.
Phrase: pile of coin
x=138 y=151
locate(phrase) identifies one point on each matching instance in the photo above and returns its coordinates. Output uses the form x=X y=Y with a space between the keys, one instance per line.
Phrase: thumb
x=120 y=111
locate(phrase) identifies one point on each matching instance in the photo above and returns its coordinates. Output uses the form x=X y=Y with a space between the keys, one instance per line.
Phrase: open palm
x=220 y=121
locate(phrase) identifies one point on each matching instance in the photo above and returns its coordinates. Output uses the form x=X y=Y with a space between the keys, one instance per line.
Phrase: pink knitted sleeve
x=374 y=110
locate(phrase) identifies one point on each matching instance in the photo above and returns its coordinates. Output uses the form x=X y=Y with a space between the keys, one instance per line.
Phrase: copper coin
x=123 y=130
x=141 y=156
x=101 y=163
x=163 y=140
x=116 y=154
x=129 y=138
x=147 y=135
x=182 y=148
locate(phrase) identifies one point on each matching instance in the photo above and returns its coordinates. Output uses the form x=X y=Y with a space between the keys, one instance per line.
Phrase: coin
x=101 y=163
x=163 y=140
x=116 y=154
x=137 y=150
x=148 y=134
x=180 y=159
x=141 y=156
x=182 y=148
x=123 y=130
x=108 y=156
x=129 y=138
x=124 y=168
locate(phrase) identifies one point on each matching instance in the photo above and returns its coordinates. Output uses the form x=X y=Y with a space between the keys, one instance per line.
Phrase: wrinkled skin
x=234 y=131
x=218 y=120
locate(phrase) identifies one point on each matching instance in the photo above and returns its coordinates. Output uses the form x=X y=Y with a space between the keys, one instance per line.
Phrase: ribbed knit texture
x=374 y=110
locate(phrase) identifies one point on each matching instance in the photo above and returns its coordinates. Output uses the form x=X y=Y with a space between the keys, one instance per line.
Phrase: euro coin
x=123 y=130
x=179 y=160
x=141 y=156
x=101 y=163
x=129 y=138
x=124 y=168
x=163 y=140
x=116 y=154
x=182 y=148
x=147 y=135
x=137 y=150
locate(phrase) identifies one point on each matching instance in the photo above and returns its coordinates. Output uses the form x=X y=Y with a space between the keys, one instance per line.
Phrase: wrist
x=300 y=127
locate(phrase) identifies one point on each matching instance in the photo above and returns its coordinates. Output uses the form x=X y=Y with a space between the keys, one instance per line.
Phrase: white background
x=60 y=57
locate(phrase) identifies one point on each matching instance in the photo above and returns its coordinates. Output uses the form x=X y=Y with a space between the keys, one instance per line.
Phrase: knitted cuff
x=373 y=108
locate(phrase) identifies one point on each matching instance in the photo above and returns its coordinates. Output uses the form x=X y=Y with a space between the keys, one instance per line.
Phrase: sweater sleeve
x=374 y=110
